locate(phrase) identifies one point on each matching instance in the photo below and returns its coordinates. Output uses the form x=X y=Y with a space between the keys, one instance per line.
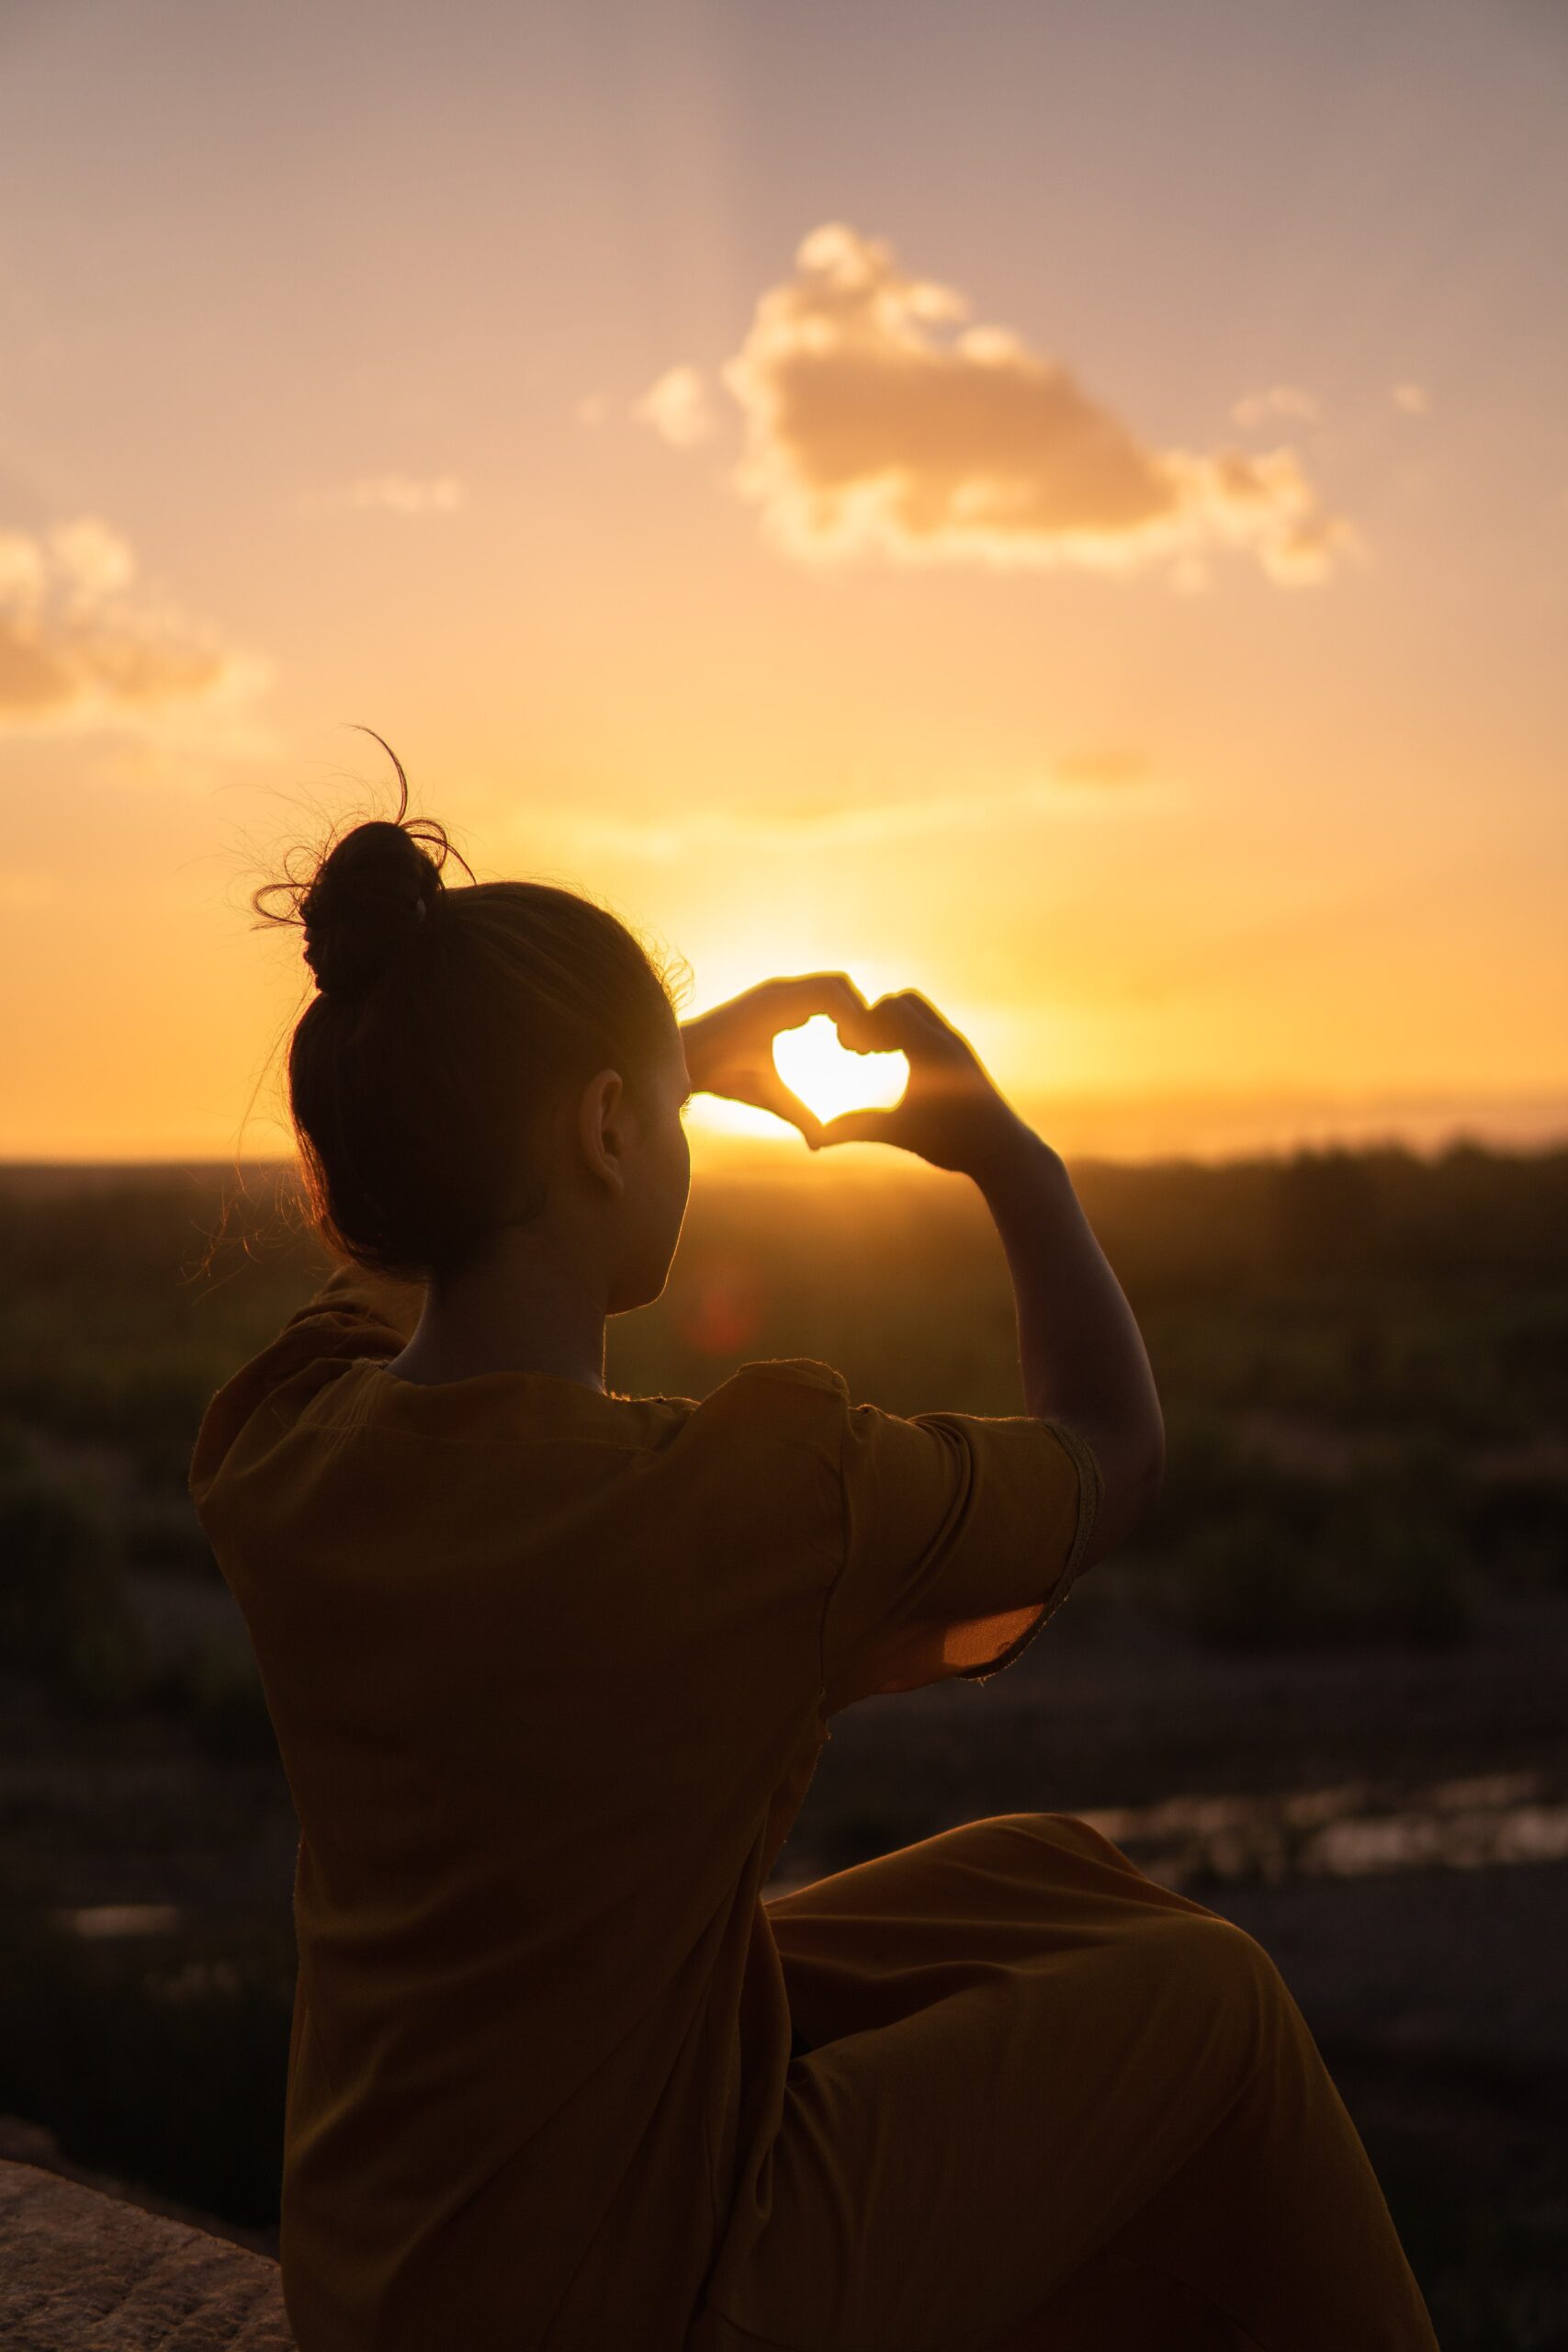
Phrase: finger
x=916 y=1007
x=801 y=999
x=858 y=1126
x=893 y=1024
x=769 y=1092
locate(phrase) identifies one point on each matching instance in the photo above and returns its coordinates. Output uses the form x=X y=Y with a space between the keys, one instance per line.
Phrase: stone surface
x=26 y=2143
x=79 y=2268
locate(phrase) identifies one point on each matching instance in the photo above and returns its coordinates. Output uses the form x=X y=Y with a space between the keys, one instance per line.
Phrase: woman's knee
x=1213 y=1979
x=1067 y=1835
x=1223 y=1983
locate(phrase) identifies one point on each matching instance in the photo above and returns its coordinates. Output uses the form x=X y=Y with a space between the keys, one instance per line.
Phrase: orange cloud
x=79 y=645
x=872 y=427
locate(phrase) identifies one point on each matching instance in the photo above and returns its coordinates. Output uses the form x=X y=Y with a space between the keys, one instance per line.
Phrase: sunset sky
x=1064 y=508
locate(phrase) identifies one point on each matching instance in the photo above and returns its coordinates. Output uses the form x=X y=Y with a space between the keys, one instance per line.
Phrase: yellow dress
x=550 y=1671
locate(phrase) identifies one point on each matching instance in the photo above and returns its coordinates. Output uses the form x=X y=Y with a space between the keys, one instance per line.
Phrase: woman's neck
x=533 y=1306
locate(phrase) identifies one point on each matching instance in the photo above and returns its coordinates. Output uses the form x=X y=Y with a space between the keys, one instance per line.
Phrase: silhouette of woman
x=550 y=1669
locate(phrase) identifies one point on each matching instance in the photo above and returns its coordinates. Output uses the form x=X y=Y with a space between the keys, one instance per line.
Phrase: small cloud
x=877 y=423
x=1414 y=400
x=80 y=645
x=403 y=494
x=90 y=562
x=1280 y=400
x=678 y=408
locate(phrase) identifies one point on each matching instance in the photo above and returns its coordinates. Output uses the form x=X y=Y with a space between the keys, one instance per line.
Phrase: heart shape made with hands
x=828 y=1079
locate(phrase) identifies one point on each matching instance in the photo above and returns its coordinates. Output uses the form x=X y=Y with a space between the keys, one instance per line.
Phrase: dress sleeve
x=961 y=1536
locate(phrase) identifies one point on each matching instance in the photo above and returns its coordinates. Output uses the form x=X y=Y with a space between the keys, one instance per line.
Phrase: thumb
x=860 y=1126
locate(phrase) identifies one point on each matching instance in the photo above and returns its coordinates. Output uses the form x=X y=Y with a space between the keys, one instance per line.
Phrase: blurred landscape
x=1323 y=1691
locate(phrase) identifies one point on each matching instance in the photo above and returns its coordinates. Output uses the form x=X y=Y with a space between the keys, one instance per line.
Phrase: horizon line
x=1186 y=1126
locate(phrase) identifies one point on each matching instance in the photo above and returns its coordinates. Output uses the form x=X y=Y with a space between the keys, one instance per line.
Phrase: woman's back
x=550 y=1673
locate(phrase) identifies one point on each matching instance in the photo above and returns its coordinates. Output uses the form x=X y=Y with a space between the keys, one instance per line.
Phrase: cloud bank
x=1078 y=784
x=875 y=422
x=81 y=644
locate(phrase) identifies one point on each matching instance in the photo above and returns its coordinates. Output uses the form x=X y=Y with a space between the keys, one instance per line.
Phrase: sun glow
x=829 y=1080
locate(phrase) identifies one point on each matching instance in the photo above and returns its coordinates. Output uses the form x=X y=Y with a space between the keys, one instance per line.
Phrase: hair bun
x=370 y=896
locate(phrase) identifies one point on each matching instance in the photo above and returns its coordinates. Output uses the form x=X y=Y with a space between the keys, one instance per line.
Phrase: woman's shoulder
x=791 y=1372
x=353 y=1317
x=771 y=1382
x=792 y=1398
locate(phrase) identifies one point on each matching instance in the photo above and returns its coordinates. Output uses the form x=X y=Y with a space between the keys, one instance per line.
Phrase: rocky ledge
x=79 y=2268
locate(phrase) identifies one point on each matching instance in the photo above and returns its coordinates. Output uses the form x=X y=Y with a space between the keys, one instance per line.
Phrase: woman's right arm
x=1081 y=1353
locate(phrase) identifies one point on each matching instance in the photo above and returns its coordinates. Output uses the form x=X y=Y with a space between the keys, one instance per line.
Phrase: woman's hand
x=730 y=1050
x=951 y=1112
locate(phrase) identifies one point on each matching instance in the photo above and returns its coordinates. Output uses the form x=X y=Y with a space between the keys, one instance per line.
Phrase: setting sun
x=829 y=1080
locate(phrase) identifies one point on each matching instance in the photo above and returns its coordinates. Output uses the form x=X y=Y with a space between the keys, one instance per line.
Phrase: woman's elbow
x=1131 y=1470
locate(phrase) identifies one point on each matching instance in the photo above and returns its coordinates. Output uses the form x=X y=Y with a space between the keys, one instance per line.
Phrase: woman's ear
x=602 y=1128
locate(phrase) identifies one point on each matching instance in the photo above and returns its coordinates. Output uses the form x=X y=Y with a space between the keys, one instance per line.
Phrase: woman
x=550 y=1669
